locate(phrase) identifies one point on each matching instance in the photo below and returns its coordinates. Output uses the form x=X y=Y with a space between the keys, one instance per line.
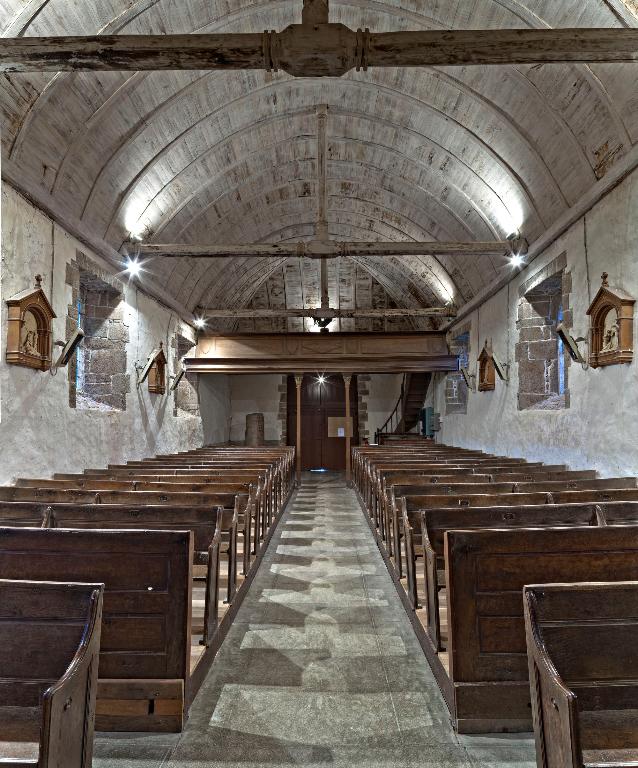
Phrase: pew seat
x=49 y=645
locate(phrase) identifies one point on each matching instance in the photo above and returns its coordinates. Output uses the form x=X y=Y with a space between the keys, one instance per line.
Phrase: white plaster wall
x=598 y=430
x=214 y=406
x=39 y=433
x=255 y=394
x=385 y=389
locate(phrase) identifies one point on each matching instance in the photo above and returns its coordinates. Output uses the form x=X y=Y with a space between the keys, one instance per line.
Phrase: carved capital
x=298 y=380
x=315 y=12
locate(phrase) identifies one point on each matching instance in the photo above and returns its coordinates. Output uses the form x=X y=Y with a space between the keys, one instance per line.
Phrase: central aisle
x=322 y=666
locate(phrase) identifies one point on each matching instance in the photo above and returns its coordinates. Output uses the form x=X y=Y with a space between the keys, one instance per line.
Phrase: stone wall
x=456 y=391
x=186 y=397
x=363 y=393
x=97 y=372
x=595 y=431
x=40 y=432
x=259 y=393
x=542 y=361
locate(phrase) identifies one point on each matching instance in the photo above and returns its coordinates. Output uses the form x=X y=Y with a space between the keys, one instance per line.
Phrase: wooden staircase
x=406 y=413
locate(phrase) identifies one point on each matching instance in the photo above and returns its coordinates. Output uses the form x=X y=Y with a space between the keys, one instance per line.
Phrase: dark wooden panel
x=318 y=403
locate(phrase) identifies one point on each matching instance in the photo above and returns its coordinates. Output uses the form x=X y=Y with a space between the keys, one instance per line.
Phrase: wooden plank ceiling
x=452 y=154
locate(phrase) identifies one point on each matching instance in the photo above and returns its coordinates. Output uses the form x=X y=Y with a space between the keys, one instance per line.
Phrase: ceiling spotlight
x=133 y=267
x=321 y=380
x=516 y=260
x=200 y=322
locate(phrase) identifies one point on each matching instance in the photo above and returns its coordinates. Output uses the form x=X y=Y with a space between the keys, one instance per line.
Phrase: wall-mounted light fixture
x=469 y=378
x=68 y=347
x=571 y=344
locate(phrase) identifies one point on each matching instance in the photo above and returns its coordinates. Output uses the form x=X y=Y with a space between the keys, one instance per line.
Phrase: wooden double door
x=319 y=402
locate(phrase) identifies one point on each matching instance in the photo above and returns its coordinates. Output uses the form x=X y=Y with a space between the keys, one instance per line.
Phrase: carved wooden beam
x=319 y=314
x=318 y=49
x=326 y=250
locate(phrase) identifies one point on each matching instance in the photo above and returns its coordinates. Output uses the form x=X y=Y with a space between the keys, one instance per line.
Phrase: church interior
x=316 y=328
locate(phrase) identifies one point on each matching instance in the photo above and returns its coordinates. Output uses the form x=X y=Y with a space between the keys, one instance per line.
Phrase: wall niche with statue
x=30 y=320
x=611 y=326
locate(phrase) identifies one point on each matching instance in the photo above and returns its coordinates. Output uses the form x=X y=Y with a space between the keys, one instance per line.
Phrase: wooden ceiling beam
x=316 y=50
x=257 y=314
x=325 y=250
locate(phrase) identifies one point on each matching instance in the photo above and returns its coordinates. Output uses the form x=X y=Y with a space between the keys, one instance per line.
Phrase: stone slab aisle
x=321 y=667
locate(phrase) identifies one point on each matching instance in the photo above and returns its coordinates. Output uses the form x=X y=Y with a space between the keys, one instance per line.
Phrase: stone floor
x=321 y=666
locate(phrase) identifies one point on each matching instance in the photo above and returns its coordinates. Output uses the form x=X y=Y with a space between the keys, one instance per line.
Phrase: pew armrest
x=554 y=705
x=68 y=706
x=211 y=602
x=431 y=590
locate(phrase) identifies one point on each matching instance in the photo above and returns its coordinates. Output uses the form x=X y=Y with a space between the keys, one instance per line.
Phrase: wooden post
x=298 y=381
x=347 y=380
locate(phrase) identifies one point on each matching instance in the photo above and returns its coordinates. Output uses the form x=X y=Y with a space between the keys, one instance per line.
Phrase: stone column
x=298 y=381
x=347 y=380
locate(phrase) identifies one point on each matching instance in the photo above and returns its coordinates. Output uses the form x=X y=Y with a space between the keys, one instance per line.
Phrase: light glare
x=200 y=322
x=133 y=267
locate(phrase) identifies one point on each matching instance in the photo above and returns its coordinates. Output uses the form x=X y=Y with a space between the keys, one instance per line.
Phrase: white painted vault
x=457 y=153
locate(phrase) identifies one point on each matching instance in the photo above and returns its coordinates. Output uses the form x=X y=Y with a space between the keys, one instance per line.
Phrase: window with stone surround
x=542 y=360
x=455 y=386
x=98 y=378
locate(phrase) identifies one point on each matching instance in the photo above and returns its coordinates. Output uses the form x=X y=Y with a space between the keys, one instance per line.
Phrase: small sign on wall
x=339 y=426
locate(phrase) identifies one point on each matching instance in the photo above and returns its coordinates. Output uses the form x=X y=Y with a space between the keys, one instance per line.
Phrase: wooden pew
x=49 y=645
x=486 y=570
x=207 y=529
x=583 y=669
x=433 y=524
x=390 y=512
x=234 y=499
x=145 y=653
x=492 y=494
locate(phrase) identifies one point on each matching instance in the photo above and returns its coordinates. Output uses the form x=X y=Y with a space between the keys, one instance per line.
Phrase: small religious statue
x=610 y=337
x=611 y=326
x=29 y=334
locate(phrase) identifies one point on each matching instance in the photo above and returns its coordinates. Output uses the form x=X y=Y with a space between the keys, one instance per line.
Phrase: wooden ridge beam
x=316 y=50
x=238 y=314
x=325 y=250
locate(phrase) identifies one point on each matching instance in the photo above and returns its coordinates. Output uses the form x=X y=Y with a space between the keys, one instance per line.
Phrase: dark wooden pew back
x=486 y=572
x=146 y=644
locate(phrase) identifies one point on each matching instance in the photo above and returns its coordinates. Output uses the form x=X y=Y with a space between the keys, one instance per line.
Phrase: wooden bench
x=583 y=669
x=49 y=645
x=145 y=652
x=487 y=683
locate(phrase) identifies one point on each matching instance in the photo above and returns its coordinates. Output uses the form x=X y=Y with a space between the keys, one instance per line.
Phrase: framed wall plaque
x=157 y=373
x=29 y=328
x=611 y=330
x=487 y=369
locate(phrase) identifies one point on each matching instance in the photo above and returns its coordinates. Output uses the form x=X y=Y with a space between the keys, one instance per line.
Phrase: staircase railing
x=396 y=417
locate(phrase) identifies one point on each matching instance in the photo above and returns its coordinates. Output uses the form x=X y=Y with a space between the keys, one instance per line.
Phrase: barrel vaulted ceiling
x=457 y=153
